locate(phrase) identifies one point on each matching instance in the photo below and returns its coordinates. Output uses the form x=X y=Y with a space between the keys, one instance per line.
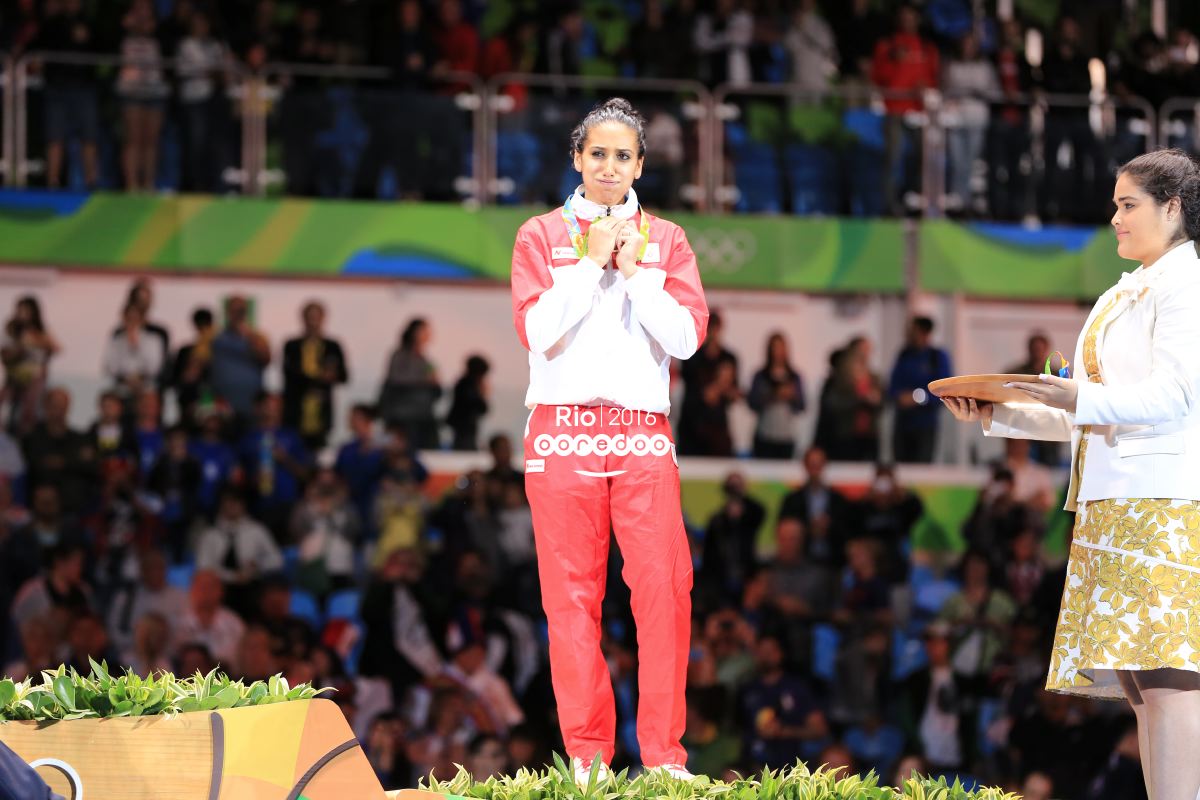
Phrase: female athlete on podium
x=604 y=296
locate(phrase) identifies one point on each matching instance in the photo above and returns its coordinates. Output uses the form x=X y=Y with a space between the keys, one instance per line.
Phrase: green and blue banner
x=1015 y=262
x=301 y=237
x=322 y=238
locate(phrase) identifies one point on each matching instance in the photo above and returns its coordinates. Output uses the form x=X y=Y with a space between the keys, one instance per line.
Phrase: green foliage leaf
x=64 y=690
x=64 y=694
x=795 y=783
x=228 y=696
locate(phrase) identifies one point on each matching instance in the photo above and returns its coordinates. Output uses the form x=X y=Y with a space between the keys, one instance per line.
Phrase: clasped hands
x=606 y=234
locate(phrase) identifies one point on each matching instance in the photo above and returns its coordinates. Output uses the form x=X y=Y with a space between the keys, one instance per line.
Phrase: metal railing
x=96 y=93
x=840 y=151
x=369 y=117
x=1099 y=133
x=528 y=115
x=253 y=99
x=505 y=139
x=1177 y=123
x=806 y=152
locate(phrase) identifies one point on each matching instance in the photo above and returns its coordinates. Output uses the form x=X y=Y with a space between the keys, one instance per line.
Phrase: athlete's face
x=1144 y=228
x=609 y=162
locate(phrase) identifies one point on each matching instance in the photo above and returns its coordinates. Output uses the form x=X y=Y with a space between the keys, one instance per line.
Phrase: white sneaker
x=676 y=771
x=583 y=773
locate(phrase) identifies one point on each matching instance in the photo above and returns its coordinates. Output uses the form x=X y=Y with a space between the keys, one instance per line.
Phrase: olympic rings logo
x=564 y=444
x=719 y=250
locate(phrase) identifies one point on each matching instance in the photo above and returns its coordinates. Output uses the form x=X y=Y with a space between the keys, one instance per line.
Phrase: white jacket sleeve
x=1170 y=392
x=563 y=305
x=113 y=358
x=210 y=553
x=268 y=557
x=1030 y=421
x=410 y=634
x=667 y=322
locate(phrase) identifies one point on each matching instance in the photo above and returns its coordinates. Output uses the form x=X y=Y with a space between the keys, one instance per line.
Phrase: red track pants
x=588 y=469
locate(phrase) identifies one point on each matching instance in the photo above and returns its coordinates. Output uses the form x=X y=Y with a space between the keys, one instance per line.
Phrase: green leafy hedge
x=65 y=694
x=797 y=783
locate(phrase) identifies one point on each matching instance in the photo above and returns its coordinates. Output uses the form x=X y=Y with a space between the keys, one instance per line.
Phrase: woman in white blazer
x=1129 y=625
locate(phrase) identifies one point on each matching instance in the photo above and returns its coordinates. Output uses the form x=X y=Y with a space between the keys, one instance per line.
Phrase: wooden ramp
x=285 y=751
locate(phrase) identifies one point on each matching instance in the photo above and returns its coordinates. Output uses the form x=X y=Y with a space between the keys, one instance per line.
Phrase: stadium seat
x=170 y=156
x=291 y=560
x=755 y=171
x=908 y=655
x=345 y=637
x=568 y=181
x=865 y=161
x=350 y=662
x=921 y=574
x=757 y=177
x=180 y=575
x=343 y=143
x=990 y=710
x=343 y=605
x=825 y=649
x=517 y=159
x=866 y=126
x=346 y=606
x=305 y=606
x=812 y=178
x=929 y=597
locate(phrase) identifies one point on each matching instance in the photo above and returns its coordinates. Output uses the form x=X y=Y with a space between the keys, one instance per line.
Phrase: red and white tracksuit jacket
x=599 y=455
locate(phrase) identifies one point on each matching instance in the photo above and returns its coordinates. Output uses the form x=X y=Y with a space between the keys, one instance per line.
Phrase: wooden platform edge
x=214 y=754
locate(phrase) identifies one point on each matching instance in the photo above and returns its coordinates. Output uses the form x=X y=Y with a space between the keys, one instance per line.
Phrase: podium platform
x=296 y=750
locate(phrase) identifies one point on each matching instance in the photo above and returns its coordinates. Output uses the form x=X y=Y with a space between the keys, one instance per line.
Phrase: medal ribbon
x=579 y=239
x=1063 y=372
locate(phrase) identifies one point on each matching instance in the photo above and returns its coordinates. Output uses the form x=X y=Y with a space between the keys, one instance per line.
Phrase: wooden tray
x=984 y=387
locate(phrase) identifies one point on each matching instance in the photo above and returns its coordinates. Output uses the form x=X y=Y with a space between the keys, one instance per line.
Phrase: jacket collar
x=589 y=210
x=1174 y=265
x=1176 y=260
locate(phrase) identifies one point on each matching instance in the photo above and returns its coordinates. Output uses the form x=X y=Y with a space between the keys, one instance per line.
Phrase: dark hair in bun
x=1165 y=174
x=614 y=109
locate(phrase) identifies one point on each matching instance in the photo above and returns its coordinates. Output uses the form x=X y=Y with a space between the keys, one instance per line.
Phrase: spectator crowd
x=179 y=92
x=201 y=521
x=242 y=536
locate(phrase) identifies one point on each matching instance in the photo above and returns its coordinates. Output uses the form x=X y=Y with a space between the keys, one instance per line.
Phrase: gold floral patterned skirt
x=1132 y=596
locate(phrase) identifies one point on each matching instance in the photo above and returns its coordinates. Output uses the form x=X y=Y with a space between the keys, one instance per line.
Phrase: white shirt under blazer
x=1145 y=416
